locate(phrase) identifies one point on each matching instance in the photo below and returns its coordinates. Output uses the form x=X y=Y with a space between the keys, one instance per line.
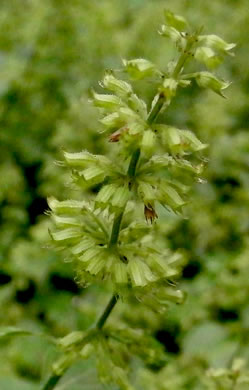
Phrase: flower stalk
x=107 y=311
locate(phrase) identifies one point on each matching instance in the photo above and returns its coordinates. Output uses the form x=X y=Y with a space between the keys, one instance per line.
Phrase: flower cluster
x=155 y=164
x=81 y=230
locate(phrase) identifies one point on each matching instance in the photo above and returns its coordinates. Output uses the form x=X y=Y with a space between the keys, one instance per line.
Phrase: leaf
x=12 y=331
x=9 y=331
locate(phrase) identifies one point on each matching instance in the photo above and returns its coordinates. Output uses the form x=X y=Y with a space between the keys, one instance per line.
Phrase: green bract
x=112 y=236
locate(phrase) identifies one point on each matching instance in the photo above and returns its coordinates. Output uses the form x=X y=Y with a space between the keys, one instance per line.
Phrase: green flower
x=140 y=68
x=216 y=43
x=208 y=80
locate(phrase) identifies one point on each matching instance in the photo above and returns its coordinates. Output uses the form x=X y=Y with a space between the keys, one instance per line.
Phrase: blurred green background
x=51 y=53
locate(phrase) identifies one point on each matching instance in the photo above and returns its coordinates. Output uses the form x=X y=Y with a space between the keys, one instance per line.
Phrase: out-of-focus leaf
x=10 y=331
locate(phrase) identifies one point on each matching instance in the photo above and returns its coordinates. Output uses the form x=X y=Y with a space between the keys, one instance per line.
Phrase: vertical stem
x=151 y=118
x=133 y=163
x=115 y=229
x=107 y=312
x=182 y=59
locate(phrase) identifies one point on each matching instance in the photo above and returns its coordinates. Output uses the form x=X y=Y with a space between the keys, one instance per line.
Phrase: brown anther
x=150 y=213
x=115 y=137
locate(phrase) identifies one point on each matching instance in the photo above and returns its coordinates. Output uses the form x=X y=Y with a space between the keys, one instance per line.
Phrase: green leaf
x=10 y=331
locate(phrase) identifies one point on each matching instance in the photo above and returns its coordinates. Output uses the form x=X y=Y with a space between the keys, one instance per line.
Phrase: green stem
x=52 y=382
x=115 y=229
x=133 y=163
x=151 y=118
x=107 y=312
x=182 y=59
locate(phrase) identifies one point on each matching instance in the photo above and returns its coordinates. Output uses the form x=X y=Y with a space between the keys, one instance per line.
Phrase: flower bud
x=80 y=159
x=120 y=87
x=148 y=141
x=173 y=137
x=192 y=142
x=120 y=273
x=173 y=295
x=112 y=121
x=94 y=174
x=208 y=80
x=208 y=57
x=65 y=222
x=106 y=193
x=176 y=21
x=216 y=43
x=120 y=197
x=181 y=141
x=140 y=68
x=70 y=207
x=92 y=253
x=136 y=128
x=169 y=88
x=128 y=115
x=188 y=166
x=146 y=192
x=174 y=35
x=69 y=234
x=108 y=102
x=138 y=105
x=84 y=244
x=168 y=196
x=161 y=266
x=140 y=273
x=96 y=265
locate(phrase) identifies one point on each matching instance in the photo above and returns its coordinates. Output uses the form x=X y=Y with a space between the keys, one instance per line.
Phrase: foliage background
x=51 y=53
